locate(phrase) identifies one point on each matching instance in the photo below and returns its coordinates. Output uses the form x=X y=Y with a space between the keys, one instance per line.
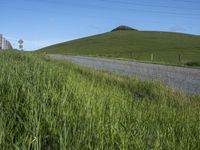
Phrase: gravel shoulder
x=179 y=78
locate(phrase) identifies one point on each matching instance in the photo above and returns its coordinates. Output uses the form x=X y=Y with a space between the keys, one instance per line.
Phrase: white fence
x=4 y=44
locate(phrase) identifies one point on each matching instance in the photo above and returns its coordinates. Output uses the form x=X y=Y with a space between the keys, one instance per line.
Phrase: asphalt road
x=179 y=78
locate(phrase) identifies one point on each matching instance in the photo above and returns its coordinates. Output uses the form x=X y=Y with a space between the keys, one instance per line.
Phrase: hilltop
x=129 y=43
x=122 y=28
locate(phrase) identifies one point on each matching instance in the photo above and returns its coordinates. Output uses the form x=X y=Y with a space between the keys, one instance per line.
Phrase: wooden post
x=152 y=56
x=179 y=58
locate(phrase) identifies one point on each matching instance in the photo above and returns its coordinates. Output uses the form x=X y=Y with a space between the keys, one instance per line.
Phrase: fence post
x=179 y=58
x=152 y=56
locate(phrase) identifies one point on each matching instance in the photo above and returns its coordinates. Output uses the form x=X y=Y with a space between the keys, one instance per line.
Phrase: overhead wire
x=117 y=8
x=147 y=5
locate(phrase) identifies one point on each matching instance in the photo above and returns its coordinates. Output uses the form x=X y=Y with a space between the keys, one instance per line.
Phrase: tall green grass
x=48 y=104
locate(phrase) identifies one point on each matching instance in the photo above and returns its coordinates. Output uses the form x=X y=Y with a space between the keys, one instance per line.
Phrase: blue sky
x=44 y=22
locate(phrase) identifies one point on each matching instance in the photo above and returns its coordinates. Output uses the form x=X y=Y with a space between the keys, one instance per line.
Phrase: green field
x=166 y=47
x=50 y=104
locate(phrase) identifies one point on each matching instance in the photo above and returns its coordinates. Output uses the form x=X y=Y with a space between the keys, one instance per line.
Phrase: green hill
x=166 y=47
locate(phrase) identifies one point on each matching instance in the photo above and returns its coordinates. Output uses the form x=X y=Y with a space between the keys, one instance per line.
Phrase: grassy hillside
x=140 y=45
x=48 y=104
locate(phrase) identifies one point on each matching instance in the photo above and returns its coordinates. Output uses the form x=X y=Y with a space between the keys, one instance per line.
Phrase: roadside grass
x=165 y=47
x=193 y=63
x=50 y=104
x=190 y=64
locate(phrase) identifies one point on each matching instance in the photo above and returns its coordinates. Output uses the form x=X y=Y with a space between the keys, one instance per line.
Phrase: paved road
x=184 y=79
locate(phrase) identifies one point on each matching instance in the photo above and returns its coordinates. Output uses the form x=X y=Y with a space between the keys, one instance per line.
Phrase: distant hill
x=126 y=42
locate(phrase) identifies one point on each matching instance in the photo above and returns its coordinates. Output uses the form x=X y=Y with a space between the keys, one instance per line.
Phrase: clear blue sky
x=44 y=22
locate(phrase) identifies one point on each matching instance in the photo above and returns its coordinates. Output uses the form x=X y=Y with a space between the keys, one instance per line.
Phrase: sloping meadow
x=49 y=104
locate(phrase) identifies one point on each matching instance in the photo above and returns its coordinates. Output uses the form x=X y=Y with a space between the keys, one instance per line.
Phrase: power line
x=172 y=1
x=188 y=1
x=116 y=8
x=148 y=5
